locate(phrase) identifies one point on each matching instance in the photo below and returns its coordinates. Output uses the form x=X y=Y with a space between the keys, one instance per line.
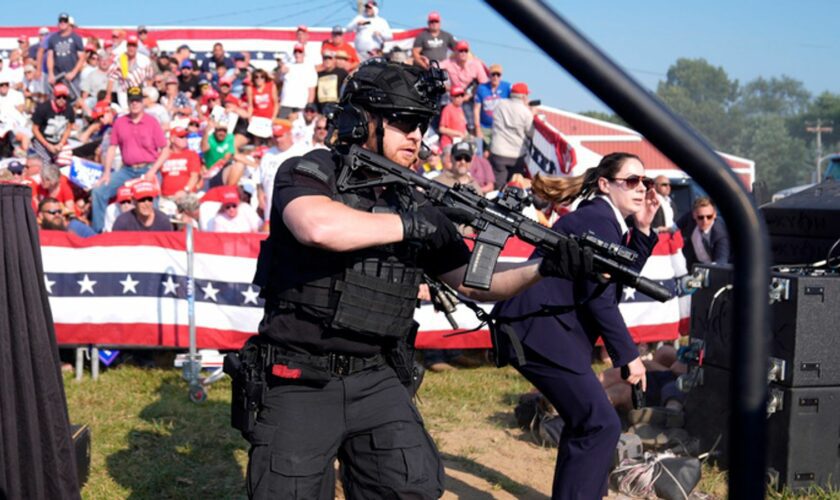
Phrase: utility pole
x=360 y=6
x=818 y=129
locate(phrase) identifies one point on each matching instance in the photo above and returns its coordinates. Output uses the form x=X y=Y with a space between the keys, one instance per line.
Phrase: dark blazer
x=718 y=239
x=567 y=339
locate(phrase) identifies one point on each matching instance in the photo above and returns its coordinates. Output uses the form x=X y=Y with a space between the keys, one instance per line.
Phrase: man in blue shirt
x=487 y=95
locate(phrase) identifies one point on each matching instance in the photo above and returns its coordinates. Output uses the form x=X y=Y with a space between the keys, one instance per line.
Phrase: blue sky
x=748 y=38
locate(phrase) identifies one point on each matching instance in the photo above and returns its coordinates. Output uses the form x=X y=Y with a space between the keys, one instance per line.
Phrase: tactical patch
x=311 y=169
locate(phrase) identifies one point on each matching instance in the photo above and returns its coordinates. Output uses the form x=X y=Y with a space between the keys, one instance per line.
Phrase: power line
x=305 y=11
x=331 y=15
x=231 y=13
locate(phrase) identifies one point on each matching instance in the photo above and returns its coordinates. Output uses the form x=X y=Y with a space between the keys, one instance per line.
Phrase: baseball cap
x=337 y=30
x=131 y=40
x=178 y=132
x=71 y=21
x=370 y=3
x=15 y=167
x=43 y=31
x=230 y=197
x=519 y=88
x=186 y=64
x=462 y=45
x=303 y=27
x=100 y=109
x=182 y=47
x=299 y=48
x=434 y=16
x=280 y=127
x=456 y=90
x=171 y=79
x=23 y=38
x=123 y=194
x=64 y=17
x=142 y=28
x=107 y=43
x=239 y=56
x=311 y=107
x=463 y=148
x=143 y=189
x=210 y=94
x=496 y=68
x=61 y=89
x=90 y=48
x=135 y=94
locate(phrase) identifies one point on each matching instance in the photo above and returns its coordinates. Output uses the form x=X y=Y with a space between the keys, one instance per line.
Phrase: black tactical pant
x=365 y=419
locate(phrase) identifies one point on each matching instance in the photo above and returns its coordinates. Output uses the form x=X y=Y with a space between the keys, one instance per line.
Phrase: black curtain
x=36 y=450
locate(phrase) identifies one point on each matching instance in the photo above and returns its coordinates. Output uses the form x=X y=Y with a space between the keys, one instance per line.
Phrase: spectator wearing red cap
x=65 y=53
x=52 y=123
x=453 y=122
x=233 y=217
x=512 y=122
x=129 y=69
x=467 y=72
x=144 y=216
x=142 y=144
x=91 y=61
x=330 y=80
x=432 y=44
x=337 y=45
x=283 y=149
x=95 y=81
x=372 y=30
x=218 y=57
x=181 y=171
x=123 y=203
x=299 y=82
x=99 y=129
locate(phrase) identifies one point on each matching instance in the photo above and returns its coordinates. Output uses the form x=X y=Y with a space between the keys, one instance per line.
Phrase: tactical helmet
x=387 y=88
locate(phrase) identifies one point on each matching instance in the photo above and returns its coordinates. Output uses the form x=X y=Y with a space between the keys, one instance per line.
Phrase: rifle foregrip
x=482 y=263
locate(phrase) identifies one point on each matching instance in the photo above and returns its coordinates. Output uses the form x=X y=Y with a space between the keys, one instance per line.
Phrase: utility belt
x=259 y=364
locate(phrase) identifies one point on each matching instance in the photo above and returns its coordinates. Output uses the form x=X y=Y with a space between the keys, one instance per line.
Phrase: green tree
x=825 y=107
x=783 y=96
x=781 y=160
x=704 y=96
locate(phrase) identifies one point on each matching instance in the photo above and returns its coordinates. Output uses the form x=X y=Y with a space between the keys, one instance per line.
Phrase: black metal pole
x=687 y=149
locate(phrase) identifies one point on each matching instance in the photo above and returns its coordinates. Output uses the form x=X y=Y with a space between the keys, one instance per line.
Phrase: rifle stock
x=494 y=222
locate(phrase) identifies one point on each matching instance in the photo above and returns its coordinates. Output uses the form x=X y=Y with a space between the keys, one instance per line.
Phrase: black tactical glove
x=427 y=221
x=568 y=261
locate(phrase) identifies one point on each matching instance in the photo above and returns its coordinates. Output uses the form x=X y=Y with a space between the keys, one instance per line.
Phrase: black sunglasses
x=409 y=123
x=463 y=158
x=61 y=97
x=664 y=184
x=147 y=199
x=228 y=207
x=495 y=74
x=51 y=212
x=463 y=51
x=125 y=202
x=633 y=181
x=707 y=217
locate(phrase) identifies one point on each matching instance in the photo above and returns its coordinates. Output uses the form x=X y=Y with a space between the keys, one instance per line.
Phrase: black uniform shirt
x=294 y=263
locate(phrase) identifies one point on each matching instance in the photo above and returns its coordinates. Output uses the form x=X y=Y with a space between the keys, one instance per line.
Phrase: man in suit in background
x=667 y=213
x=706 y=239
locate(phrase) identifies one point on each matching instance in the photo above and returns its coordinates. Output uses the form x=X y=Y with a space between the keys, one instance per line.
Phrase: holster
x=247 y=370
x=400 y=357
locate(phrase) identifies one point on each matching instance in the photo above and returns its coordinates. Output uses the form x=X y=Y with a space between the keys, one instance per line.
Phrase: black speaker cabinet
x=804 y=226
x=81 y=443
x=803 y=429
x=805 y=326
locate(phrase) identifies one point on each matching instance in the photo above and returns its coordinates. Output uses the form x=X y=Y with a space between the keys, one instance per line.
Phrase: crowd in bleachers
x=105 y=127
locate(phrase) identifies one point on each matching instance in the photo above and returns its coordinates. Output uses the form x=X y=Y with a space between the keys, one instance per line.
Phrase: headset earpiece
x=351 y=124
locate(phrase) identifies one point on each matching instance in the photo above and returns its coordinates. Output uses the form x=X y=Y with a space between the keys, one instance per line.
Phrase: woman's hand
x=637 y=373
x=644 y=217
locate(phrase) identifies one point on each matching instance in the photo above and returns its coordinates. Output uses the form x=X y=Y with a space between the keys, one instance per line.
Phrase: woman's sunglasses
x=633 y=181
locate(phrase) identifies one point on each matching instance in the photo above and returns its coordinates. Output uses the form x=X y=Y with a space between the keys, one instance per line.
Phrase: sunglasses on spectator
x=321 y=128
x=495 y=74
x=229 y=206
x=147 y=199
x=51 y=212
x=463 y=158
x=633 y=181
x=463 y=51
x=61 y=97
x=125 y=202
x=707 y=217
x=664 y=184
x=327 y=57
x=409 y=123
x=4 y=84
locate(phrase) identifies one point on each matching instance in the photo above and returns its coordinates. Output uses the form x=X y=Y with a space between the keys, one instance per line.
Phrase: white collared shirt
x=621 y=222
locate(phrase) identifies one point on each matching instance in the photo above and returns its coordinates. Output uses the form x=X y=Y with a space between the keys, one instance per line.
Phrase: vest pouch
x=380 y=302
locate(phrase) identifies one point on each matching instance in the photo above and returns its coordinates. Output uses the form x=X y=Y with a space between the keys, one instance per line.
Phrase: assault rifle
x=494 y=222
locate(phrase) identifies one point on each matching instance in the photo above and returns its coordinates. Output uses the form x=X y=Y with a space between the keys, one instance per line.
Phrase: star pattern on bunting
x=49 y=284
x=250 y=295
x=129 y=285
x=86 y=285
x=210 y=292
x=170 y=287
x=629 y=293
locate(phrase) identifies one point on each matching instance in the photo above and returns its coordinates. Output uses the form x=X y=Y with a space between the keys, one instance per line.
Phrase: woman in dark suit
x=558 y=348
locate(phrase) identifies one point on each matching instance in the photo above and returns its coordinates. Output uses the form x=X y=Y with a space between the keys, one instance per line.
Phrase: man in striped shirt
x=130 y=69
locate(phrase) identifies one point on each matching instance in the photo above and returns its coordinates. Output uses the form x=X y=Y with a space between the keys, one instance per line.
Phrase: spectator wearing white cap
x=372 y=30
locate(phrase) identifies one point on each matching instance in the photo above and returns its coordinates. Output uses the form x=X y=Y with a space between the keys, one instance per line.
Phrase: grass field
x=150 y=441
